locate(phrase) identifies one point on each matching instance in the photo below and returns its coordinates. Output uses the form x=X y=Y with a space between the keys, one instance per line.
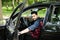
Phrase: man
x=34 y=25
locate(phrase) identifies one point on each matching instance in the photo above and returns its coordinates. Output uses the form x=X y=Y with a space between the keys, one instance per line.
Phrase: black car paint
x=45 y=35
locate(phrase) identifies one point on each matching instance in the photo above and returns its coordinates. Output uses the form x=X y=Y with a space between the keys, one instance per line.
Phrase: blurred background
x=7 y=6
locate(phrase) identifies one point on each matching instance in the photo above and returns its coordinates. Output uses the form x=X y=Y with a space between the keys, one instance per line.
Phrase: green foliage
x=42 y=12
x=9 y=3
x=4 y=2
x=7 y=12
x=30 y=2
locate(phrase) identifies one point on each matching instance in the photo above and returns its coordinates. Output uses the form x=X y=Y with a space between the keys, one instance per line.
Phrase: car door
x=11 y=22
x=52 y=26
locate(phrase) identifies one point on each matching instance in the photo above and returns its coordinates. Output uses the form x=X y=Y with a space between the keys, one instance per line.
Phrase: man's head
x=34 y=15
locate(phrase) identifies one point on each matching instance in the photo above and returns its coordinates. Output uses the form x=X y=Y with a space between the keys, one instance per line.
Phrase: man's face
x=34 y=16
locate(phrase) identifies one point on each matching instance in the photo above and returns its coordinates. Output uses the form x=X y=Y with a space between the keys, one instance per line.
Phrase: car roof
x=48 y=3
x=45 y=4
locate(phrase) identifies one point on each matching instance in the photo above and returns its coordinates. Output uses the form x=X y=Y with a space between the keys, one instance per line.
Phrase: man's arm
x=32 y=27
x=23 y=31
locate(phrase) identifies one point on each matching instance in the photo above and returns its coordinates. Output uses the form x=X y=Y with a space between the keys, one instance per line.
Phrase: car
x=48 y=12
x=51 y=20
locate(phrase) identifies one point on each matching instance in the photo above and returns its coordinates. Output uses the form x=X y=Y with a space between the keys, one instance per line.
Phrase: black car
x=49 y=12
x=51 y=19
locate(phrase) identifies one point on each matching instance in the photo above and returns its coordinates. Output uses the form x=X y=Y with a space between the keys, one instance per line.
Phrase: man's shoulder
x=41 y=19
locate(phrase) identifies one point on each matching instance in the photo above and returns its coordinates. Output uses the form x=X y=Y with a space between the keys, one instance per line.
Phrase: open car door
x=9 y=26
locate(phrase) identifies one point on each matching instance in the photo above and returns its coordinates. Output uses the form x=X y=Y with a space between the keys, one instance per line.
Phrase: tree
x=17 y=1
x=30 y=2
x=35 y=1
x=1 y=16
x=7 y=4
x=12 y=4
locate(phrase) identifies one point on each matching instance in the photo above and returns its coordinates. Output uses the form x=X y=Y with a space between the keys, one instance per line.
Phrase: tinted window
x=54 y=24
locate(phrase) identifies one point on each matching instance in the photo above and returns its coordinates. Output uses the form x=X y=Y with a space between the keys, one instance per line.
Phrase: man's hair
x=34 y=12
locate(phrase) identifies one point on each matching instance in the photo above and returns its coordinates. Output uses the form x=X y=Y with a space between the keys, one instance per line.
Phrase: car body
x=50 y=31
x=51 y=22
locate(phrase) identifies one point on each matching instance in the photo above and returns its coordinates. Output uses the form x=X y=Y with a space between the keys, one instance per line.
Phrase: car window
x=41 y=13
x=54 y=23
x=55 y=16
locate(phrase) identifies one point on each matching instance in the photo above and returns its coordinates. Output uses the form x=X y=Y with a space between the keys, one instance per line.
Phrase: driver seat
x=37 y=32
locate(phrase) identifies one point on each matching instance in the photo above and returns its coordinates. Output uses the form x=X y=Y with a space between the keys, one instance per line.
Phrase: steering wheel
x=25 y=21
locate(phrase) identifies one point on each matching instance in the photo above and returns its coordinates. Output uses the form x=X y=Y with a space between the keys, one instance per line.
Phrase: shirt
x=35 y=25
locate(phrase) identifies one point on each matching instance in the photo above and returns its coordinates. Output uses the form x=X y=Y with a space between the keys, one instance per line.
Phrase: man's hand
x=19 y=33
x=23 y=31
